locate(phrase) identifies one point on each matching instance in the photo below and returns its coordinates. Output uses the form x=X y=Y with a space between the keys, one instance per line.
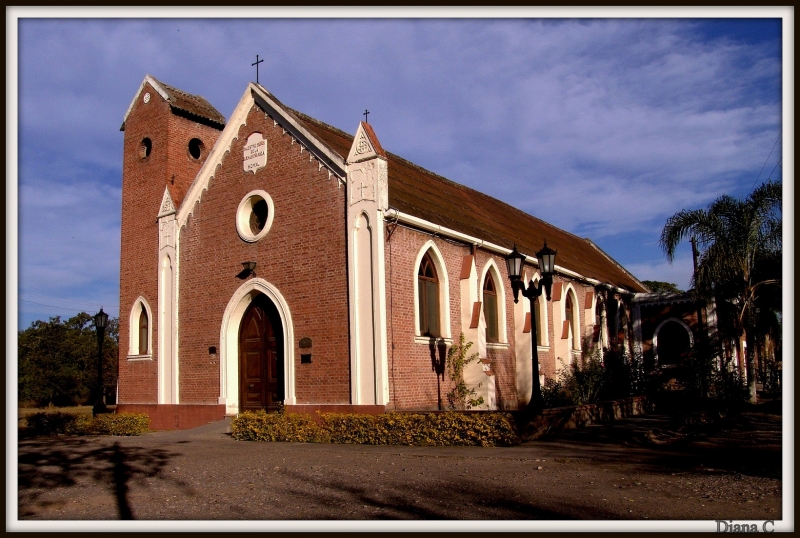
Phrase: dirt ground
x=637 y=469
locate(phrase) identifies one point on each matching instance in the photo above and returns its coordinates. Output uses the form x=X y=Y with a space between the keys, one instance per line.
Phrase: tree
x=661 y=287
x=58 y=360
x=739 y=263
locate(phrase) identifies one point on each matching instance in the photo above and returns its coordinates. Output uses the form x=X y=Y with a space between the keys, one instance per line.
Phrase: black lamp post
x=547 y=262
x=100 y=322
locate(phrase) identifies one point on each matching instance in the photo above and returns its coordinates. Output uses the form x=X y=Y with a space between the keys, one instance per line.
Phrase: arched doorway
x=672 y=342
x=261 y=372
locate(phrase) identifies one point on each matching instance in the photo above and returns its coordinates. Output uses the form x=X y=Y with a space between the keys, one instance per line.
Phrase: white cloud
x=615 y=124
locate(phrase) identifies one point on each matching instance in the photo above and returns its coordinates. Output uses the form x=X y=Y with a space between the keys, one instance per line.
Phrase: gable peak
x=365 y=145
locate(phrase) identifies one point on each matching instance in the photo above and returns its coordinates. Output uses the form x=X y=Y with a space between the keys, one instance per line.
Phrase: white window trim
x=243 y=216
x=542 y=313
x=426 y=340
x=576 y=321
x=502 y=331
x=133 y=330
x=444 y=290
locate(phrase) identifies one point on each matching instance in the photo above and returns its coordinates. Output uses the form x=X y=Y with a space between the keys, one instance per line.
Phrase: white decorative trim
x=542 y=314
x=254 y=95
x=444 y=289
x=133 y=329
x=426 y=340
x=148 y=79
x=405 y=218
x=576 y=325
x=243 y=216
x=496 y=345
x=215 y=158
x=167 y=207
x=135 y=358
x=362 y=149
x=168 y=375
x=229 y=342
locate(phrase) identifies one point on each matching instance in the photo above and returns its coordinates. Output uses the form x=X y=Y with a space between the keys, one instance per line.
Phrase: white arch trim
x=133 y=330
x=444 y=288
x=541 y=313
x=658 y=328
x=576 y=318
x=501 y=297
x=229 y=342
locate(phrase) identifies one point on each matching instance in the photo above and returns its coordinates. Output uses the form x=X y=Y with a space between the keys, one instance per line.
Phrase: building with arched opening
x=272 y=259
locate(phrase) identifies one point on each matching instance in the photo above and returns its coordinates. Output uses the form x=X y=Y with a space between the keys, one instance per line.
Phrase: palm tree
x=740 y=258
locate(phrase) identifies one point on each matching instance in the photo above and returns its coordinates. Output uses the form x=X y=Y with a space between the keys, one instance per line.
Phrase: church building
x=270 y=259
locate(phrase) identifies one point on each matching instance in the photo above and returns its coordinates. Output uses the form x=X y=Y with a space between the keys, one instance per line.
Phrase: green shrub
x=78 y=424
x=121 y=424
x=424 y=429
x=50 y=423
x=461 y=396
x=263 y=426
x=554 y=395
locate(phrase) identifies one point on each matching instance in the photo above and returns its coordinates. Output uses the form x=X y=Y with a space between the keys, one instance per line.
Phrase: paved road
x=634 y=469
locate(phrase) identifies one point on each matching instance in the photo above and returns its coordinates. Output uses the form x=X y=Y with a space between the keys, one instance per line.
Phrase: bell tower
x=168 y=134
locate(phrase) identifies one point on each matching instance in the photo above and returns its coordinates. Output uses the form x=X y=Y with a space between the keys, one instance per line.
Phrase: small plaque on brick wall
x=305 y=343
x=255 y=153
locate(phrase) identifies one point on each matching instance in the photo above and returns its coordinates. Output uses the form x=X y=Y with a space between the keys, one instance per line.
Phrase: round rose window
x=254 y=216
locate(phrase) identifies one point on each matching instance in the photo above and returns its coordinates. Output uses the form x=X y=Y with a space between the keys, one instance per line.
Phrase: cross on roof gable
x=422 y=194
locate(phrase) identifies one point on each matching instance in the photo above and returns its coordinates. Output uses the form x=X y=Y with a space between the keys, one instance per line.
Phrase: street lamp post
x=547 y=261
x=100 y=322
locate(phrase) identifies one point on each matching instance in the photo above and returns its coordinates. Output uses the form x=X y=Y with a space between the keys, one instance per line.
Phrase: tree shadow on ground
x=48 y=463
x=464 y=500
x=749 y=444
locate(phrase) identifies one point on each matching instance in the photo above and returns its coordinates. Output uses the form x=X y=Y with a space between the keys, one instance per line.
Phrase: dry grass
x=25 y=412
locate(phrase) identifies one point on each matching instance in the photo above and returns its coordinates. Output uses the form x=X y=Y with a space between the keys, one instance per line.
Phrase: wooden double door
x=261 y=372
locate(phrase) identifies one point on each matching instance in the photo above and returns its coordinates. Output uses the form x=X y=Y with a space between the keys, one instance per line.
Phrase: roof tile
x=431 y=197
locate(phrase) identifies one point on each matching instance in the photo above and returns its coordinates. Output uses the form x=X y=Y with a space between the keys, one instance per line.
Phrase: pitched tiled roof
x=194 y=105
x=426 y=195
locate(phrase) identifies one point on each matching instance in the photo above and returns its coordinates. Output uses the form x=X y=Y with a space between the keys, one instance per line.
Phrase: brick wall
x=303 y=256
x=143 y=184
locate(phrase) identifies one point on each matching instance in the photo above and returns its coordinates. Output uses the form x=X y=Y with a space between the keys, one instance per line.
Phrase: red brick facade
x=304 y=256
x=144 y=179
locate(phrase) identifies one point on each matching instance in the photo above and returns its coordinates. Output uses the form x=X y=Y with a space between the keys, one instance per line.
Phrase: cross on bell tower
x=366 y=113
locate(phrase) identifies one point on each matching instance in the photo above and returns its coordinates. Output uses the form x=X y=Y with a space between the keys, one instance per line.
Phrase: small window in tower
x=145 y=148
x=143 y=332
x=195 y=148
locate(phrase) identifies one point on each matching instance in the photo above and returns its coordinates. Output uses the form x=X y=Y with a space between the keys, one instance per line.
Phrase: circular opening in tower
x=254 y=216
x=145 y=147
x=195 y=148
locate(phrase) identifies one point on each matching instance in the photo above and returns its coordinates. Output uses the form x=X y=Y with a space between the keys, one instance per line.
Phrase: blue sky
x=604 y=126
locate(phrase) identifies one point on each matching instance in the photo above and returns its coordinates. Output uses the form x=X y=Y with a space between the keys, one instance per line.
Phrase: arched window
x=144 y=332
x=428 y=284
x=568 y=315
x=490 y=308
x=140 y=341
